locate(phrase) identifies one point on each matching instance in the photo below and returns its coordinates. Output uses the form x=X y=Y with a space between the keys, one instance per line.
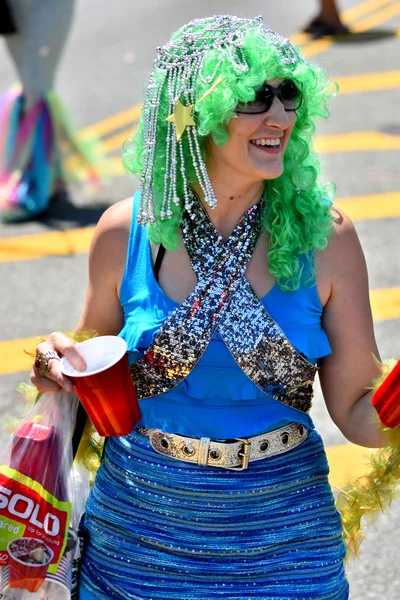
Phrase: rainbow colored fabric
x=33 y=144
x=159 y=528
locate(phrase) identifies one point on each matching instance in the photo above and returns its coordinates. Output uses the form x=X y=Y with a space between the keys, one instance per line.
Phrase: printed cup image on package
x=29 y=559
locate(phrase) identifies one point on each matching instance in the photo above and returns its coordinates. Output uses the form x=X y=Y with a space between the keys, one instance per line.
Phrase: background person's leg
x=34 y=127
x=36 y=48
x=327 y=21
x=7 y=24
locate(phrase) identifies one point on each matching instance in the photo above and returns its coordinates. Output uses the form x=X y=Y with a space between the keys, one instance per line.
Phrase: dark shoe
x=7 y=23
x=318 y=28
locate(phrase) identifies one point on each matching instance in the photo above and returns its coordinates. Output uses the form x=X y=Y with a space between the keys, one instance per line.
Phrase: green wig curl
x=297 y=208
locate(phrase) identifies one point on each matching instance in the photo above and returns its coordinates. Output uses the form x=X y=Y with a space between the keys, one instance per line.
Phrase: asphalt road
x=104 y=68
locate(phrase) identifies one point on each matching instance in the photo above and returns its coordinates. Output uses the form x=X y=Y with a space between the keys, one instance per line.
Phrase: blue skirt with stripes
x=165 y=529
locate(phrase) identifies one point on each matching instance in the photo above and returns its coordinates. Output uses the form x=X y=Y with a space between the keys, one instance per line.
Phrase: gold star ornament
x=182 y=117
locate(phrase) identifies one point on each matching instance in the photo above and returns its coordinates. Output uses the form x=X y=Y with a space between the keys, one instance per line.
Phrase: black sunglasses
x=287 y=92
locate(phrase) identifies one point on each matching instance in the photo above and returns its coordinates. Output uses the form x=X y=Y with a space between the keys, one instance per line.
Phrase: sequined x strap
x=223 y=299
x=255 y=340
x=188 y=330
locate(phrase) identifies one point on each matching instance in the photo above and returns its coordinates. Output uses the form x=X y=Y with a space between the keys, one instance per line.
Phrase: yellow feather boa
x=374 y=492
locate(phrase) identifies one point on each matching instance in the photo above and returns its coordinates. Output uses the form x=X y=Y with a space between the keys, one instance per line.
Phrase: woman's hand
x=46 y=374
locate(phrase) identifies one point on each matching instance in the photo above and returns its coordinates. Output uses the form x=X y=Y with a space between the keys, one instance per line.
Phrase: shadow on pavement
x=391 y=129
x=63 y=210
x=356 y=37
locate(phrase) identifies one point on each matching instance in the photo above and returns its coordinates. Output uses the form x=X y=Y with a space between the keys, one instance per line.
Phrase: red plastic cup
x=386 y=399
x=105 y=388
x=36 y=453
x=29 y=560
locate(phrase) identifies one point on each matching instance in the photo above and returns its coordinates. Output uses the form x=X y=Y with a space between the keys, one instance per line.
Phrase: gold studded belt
x=235 y=454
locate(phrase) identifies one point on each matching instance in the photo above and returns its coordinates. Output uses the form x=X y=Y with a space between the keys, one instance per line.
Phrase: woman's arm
x=102 y=310
x=347 y=373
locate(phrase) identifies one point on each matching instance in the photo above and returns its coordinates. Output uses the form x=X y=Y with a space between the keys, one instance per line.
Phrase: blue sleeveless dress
x=164 y=529
x=216 y=399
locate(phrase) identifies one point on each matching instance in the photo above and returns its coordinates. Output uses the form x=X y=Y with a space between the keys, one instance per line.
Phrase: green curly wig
x=296 y=215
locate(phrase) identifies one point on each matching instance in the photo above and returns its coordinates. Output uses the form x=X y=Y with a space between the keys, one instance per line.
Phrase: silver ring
x=43 y=359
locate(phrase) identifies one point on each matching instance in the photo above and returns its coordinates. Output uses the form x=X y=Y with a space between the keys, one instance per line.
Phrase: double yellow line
x=356 y=18
x=77 y=241
x=354 y=141
x=382 y=10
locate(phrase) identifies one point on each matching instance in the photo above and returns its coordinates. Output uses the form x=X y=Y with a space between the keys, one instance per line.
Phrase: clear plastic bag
x=42 y=498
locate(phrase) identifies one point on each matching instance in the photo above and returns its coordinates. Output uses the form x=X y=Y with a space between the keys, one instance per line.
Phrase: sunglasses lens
x=290 y=95
x=260 y=104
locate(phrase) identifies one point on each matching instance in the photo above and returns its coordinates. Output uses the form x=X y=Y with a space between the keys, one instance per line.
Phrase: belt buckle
x=244 y=455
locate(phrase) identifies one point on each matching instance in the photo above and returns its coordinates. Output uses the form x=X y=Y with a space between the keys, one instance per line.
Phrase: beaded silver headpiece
x=179 y=65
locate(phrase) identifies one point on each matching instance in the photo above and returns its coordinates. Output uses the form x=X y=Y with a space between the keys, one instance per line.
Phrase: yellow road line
x=378 y=18
x=316 y=47
x=357 y=141
x=114 y=122
x=117 y=166
x=371 y=207
x=368 y=82
x=347 y=462
x=40 y=245
x=77 y=241
x=12 y=355
x=116 y=141
x=348 y=16
x=129 y=116
x=300 y=38
x=385 y=306
x=355 y=12
x=385 y=303
x=383 y=16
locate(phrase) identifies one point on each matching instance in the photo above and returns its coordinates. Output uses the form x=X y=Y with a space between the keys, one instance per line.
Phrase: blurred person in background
x=233 y=279
x=327 y=22
x=35 y=131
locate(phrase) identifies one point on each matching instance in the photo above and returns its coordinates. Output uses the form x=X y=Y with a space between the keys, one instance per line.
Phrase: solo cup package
x=39 y=504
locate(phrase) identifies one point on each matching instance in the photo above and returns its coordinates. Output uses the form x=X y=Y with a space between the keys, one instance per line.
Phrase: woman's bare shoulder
x=342 y=223
x=118 y=216
x=111 y=235
x=344 y=248
x=342 y=260
x=343 y=251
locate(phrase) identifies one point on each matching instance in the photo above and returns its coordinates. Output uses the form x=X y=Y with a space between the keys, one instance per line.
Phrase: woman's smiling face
x=256 y=144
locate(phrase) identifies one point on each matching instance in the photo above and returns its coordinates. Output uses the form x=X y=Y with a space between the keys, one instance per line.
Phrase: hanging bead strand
x=147 y=212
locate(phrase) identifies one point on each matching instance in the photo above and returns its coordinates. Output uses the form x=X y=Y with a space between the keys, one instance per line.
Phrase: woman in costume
x=34 y=127
x=251 y=282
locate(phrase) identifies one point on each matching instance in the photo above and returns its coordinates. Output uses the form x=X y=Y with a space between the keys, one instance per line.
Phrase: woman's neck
x=232 y=202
